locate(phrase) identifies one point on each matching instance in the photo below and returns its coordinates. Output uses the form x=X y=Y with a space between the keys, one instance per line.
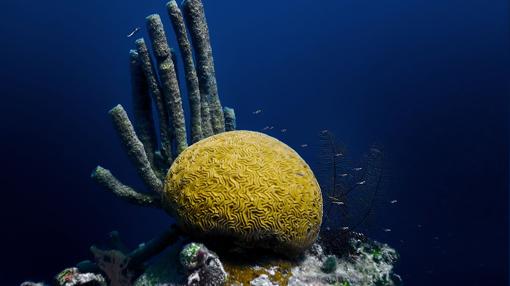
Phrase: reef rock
x=30 y=283
x=204 y=266
x=371 y=263
x=73 y=277
x=193 y=265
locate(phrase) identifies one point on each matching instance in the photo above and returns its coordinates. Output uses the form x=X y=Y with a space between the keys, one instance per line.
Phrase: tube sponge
x=230 y=119
x=195 y=18
x=189 y=71
x=168 y=77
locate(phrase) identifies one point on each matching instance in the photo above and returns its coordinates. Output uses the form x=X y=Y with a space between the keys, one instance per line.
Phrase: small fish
x=304 y=145
x=358 y=169
x=387 y=230
x=344 y=175
x=345 y=228
x=324 y=131
x=258 y=111
x=436 y=237
x=283 y=130
x=338 y=154
x=133 y=32
x=265 y=128
x=393 y=202
x=375 y=150
x=338 y=203
x=361 y=183
x=271 y=127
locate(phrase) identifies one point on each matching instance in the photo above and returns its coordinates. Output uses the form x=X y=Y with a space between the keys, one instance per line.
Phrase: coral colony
x=245 y=194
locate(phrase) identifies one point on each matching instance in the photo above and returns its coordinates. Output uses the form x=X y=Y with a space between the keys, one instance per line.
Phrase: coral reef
x=244 y=186
x=248 y=186
x=234 y=191
x=190 y=264
x=329 y=265
x=262 y=280
x=371 y=264
x=189 y=255
x=203 y=266
x=73 y=277
x=120 y=265
x=194 y=264
x=30 y=283
x=243 y=193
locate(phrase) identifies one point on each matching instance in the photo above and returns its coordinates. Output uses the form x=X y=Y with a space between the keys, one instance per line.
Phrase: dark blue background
x=429 y=80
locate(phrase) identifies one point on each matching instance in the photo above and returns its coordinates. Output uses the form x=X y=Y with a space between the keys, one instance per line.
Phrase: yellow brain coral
x=247 y=186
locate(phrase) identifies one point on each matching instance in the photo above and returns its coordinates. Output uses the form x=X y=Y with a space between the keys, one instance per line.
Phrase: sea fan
x=350 y=190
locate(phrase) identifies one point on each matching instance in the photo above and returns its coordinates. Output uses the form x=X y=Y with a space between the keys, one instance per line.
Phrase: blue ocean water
x=427 y=80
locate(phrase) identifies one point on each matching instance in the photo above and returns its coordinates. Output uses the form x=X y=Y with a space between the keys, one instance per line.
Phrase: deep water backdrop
x=427 y=80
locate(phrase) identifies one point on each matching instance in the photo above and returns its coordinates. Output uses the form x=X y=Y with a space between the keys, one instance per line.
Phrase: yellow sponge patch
x=247 y=186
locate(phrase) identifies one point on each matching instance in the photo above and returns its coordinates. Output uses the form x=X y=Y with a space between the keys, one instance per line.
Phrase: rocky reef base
x=370 y=263
x=367 y=263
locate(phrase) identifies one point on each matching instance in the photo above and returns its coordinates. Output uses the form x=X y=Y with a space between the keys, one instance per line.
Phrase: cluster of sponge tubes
x=157 y=83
